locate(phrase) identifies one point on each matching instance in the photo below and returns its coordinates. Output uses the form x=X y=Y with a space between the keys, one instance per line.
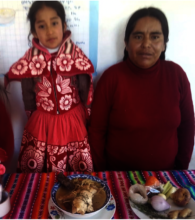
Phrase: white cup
x=4 y=204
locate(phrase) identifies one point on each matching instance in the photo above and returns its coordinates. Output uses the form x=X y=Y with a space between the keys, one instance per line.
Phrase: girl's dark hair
x=151 y=12
x=37 y=5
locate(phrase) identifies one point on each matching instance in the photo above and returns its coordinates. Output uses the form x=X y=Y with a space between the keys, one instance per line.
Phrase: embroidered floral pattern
x=73 y=155
x=81 y=161
x=29 y=137
x=80 y=52
x=45 y=87
x=89 y=111
x=37 y=65
x=66 y=102
x=20 y=67
x=62 y=163
x=87 y=146
x=46 y=104
x=82 y=64
x=90 y=96
x=41 y=145
x=81 y=144
x=72 y=146
x=56 y=91
x=62 y=150
x=63 y=85
x=32 y=160
x=24 y=138
x=49 y=65
x=77 y=49
x=32 y=155
x=65 y=62
x=52 y=149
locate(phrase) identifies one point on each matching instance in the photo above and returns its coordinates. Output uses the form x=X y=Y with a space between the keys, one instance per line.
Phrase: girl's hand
x=29 y=113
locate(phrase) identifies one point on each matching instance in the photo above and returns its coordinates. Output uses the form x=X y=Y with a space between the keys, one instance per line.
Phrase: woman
x=142 y=115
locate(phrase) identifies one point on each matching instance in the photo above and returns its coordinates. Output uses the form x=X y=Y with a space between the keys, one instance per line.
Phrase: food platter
x=73 y=196
x=56 y=192
x=106 y=213
x=146 y=214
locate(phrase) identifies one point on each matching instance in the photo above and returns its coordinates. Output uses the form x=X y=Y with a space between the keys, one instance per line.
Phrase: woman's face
x=146 y=42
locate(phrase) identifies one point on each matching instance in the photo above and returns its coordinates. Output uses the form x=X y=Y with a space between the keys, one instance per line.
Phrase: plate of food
x=82 y=196
x=106 y=213
x=161 y=201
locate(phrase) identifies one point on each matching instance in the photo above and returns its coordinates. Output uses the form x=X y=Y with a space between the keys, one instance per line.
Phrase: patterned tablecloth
x=30 y=193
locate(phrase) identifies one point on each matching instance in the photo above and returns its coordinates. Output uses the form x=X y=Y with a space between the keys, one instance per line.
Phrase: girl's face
x=49 y=28
x=146 y=42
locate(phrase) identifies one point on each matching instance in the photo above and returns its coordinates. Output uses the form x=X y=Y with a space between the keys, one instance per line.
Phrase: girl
x=56 y=79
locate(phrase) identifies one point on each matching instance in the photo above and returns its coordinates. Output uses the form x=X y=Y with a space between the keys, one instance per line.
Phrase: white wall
x=113 y=18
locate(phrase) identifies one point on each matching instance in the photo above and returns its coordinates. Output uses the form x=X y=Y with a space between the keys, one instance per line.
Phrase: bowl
x=6 y=15
x=83 y=176
x=4 y=204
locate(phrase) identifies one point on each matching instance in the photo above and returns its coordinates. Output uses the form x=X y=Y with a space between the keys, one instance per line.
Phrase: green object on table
x=167 y=187
x=57 y=217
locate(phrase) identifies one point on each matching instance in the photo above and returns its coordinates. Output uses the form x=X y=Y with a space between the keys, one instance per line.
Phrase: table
x=30 y=193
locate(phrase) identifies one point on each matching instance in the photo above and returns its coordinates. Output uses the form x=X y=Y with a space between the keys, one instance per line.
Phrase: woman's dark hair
x=37 y=5
x=151 y=12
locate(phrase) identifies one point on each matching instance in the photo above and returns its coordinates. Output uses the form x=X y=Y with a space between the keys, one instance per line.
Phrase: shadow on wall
x=116 y=54
x=18 y=118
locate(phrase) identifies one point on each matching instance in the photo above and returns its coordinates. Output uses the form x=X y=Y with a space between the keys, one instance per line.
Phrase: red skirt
x=53 y=143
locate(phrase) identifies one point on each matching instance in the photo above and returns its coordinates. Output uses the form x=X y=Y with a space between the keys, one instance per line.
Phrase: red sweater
x=142 y=119
x=6 y=136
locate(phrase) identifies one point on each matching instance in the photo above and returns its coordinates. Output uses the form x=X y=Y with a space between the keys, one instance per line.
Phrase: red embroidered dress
x=55 y=137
